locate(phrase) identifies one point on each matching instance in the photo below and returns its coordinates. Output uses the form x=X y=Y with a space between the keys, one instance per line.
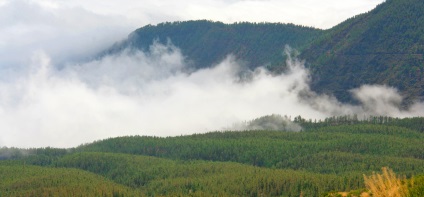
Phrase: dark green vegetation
x=207 y=43
x=18 y=179
x=383 y=46
x=329 y=155
x=418 y=189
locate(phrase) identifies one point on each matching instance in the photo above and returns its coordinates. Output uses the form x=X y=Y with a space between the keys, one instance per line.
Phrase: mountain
x=383 y=46
x=206 y=43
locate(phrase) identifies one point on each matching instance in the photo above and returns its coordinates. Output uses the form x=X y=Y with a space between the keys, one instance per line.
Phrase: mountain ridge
x=207 y=43
x=383 y=46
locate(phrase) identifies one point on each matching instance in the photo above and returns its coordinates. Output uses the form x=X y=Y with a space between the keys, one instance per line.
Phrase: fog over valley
x=155 y=93
x=55 y=90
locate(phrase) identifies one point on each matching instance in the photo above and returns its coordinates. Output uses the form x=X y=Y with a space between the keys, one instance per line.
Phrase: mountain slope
x=207 y=43
x=27 y=180
x=330 y=155
x=165 y=177
x=369 y=147
x=383 y=46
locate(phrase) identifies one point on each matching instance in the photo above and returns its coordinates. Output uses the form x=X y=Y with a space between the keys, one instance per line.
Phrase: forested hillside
x=19 y=179
x=383 y=46
x=206 y=43
x=324 y=150
x=155 y=176
x=271 y=155
x=328 y=155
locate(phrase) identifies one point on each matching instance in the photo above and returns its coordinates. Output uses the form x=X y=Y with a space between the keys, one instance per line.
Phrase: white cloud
x=322 y=14
x=67 y=34
x=379 y=99
x=51 y=95
x=112 y=97
x=70 y=30
x=137 y=93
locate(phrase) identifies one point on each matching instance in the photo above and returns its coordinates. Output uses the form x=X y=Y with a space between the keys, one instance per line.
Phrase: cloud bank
x=53 y=94
x=67 y=34
x=154 y=93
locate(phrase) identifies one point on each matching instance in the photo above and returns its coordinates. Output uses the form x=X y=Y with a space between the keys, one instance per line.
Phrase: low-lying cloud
x=156 y=93
x=272 y=122
x=51 y=94
x=67 y=34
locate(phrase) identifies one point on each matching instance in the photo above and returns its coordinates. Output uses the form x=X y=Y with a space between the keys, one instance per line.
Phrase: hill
x=323 y=150
x=206 y=43
x=329 y=155
x=383 y=46
x=18 y=179
x=165 y=177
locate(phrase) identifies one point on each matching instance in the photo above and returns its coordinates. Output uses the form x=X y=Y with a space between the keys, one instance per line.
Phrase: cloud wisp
x=154 y=93
x=51 y=94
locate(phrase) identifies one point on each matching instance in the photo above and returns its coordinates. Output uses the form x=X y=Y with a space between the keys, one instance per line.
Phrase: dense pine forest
x=272 y=155
x=383 y=46
x=325 y=156
x=207 y=43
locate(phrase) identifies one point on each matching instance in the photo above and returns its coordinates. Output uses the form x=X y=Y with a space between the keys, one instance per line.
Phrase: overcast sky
x=52 y=94
x=70 y=30
x=321 y=14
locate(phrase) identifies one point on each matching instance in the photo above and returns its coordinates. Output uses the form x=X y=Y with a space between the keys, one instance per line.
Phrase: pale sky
x=321 y=14
x=82 y=27
x=52 y=95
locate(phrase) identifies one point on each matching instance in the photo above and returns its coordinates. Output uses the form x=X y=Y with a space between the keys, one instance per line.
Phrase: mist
x=272 y=122
x=54 y=93
x=157 y=93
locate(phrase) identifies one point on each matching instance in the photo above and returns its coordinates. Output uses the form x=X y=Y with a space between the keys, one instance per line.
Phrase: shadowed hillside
x=206 y=43
x=383 y=46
